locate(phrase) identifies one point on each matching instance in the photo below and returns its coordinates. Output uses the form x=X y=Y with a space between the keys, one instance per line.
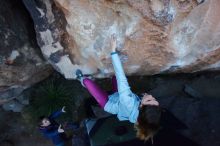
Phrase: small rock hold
x=192 y=92
x=23 y=99
x=13 y=105
x=12 y=57
x=200 y=1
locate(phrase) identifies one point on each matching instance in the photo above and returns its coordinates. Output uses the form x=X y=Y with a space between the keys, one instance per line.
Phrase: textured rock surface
x=153 y=36
x=21 y=62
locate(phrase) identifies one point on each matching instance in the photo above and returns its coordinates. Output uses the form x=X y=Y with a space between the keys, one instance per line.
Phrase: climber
x=52 y=130
x=145 y=112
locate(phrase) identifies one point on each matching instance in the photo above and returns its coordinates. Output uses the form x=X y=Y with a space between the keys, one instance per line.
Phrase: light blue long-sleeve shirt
x=124 y=103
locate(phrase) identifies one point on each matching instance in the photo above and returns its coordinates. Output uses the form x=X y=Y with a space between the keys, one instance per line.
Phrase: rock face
x=153 y=36
x=21 y=61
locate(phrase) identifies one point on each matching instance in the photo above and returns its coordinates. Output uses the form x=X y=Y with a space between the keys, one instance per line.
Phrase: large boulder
x=153 y=36
x=21 y=61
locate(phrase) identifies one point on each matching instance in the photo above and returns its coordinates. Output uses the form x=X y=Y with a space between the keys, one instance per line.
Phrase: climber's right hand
x=113 y=42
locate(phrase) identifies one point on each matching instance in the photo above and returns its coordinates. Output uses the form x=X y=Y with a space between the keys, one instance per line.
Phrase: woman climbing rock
x=144 y=112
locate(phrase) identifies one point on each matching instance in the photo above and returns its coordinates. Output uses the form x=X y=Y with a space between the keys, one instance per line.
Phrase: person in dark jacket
x=51 y=129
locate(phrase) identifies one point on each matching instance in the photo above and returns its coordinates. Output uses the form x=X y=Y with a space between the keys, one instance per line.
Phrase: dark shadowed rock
x=21 y=61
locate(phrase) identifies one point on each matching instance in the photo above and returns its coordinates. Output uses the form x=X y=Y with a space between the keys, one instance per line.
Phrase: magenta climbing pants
x=100 y=95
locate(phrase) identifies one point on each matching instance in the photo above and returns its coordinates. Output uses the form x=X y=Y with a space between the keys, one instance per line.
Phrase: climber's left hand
x=149 y=100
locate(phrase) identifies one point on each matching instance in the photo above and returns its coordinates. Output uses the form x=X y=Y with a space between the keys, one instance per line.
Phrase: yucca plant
x=49 y=97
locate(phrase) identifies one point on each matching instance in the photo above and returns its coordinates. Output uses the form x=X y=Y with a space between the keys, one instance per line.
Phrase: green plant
x=49 y=97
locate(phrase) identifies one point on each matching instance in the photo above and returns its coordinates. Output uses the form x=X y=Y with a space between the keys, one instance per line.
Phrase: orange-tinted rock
x=153 y=36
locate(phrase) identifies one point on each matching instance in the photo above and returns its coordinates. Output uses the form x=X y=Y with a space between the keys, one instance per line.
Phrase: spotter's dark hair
x=40 y=119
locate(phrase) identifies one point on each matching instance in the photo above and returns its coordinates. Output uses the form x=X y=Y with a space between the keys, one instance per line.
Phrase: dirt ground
x=193 y=98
